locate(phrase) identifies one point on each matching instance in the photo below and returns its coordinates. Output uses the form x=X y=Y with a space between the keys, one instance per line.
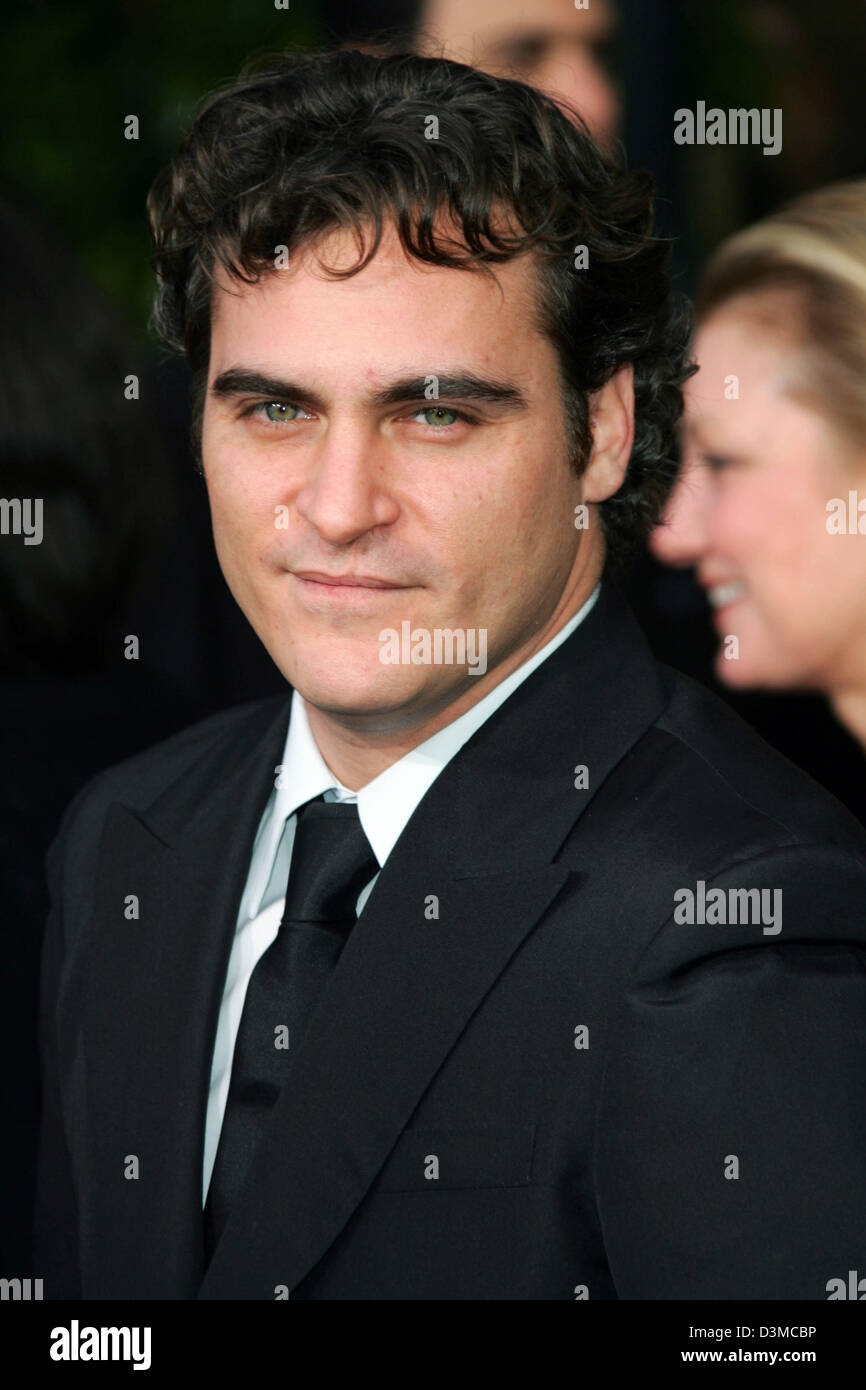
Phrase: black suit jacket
x=524 y=1079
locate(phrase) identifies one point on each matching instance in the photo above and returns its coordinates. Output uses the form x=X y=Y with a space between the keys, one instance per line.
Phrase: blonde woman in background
x=771 y=505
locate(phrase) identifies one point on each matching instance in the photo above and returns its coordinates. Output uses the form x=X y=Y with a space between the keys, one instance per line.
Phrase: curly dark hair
x=301 y=144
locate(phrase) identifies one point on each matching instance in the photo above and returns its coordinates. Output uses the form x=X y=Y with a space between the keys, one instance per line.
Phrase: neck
x=849 y=706
x=356 y=754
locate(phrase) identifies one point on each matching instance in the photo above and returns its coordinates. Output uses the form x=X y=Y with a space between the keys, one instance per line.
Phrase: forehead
x=395 y=305
x=749 y=368
x=733 y=343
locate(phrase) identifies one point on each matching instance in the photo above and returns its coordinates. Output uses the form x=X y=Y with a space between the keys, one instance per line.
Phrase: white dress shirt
x=384 y=808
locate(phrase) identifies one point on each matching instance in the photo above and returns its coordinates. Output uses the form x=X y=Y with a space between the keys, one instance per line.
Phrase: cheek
x=575 y=74
x=531 y=536
x=771 y=530
x=801 y=590
x=503 y=520
x=796 y=557
x=233 y=510
x=242 y=518
x=243 y=486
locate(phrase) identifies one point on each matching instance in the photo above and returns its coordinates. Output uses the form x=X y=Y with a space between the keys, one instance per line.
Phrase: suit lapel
x=152 y=1000
x=401 y=994
x=483 y=842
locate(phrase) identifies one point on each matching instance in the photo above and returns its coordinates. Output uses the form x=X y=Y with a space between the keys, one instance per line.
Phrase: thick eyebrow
x=244 y=381
x=240 y=381
x=464 y=387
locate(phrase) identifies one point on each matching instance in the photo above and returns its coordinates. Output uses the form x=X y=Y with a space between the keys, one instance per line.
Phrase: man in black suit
x=496 y=961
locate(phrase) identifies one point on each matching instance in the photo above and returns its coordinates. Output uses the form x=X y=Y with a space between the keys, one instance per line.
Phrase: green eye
x=437 y=412
x=281 y=411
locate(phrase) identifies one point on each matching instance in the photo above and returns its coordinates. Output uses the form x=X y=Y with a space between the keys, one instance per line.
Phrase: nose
x=681 y=536
x=346 y=492
x=572 y=72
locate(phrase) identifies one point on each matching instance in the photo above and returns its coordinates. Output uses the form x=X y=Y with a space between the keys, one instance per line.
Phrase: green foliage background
x=71 y=73
x=72 y=70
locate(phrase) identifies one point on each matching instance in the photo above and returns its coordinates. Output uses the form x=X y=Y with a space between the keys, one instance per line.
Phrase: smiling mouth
x=345 y=593
x=344 y=581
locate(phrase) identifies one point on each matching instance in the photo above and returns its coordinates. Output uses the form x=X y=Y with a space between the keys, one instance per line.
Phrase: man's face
x=338 y=465
x=550 y=44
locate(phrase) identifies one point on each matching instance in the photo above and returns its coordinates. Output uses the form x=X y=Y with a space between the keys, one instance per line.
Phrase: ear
x=611 y=416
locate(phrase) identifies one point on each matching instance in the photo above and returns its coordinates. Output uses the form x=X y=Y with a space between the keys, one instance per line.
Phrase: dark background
x=72 y=73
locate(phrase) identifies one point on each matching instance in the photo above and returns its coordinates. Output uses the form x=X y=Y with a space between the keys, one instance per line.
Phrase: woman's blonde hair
x=805 y=265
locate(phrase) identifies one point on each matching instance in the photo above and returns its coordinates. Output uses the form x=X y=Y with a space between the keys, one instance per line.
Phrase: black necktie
x=331 y=862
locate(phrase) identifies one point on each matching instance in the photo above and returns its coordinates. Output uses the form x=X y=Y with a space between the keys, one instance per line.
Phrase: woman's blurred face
x=750 y=512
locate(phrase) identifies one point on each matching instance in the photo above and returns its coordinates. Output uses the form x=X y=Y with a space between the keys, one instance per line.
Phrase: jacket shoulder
x=141 y=778
x=723 y=780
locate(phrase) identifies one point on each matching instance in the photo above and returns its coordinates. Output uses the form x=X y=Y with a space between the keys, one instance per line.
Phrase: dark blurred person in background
x=565 y=51
x=771 y=504
x=80 y=457
x=559 y=48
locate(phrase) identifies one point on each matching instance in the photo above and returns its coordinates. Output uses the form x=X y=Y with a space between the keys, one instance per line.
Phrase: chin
x=760 y=675
x=370 y=690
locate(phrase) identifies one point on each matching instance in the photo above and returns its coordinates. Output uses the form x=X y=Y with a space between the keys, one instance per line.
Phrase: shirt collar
x=387 y=802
